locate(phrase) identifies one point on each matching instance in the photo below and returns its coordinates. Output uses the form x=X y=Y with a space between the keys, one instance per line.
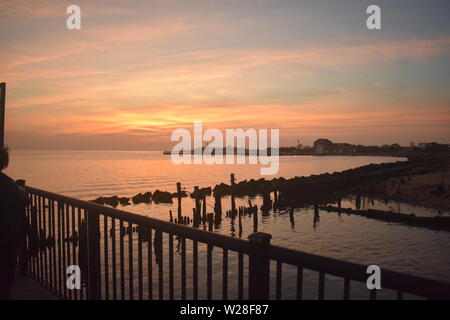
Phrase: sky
x=138 y=69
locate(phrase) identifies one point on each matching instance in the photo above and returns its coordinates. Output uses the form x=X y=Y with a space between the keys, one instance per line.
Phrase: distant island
x=324 y=147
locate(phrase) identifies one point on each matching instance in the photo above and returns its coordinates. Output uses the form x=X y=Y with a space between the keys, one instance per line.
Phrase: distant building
x=322 y=146
x=343 y=148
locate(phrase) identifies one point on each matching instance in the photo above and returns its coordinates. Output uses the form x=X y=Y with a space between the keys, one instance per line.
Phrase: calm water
x=87 y=175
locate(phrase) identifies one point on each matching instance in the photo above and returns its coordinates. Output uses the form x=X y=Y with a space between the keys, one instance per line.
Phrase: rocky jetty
x=437 y=222
x=201 y=193
x=162 y=197
x=111 y=201
x=142 y=198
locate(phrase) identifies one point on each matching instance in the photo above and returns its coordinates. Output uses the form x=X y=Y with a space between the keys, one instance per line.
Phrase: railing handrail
x=407 y=283
x=412 y=284
x=214 y=239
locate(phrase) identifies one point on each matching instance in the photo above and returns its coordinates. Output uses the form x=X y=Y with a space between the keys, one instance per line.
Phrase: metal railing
x=129 y=256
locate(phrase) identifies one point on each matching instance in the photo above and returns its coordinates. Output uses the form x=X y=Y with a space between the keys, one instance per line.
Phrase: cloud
x=140 y=78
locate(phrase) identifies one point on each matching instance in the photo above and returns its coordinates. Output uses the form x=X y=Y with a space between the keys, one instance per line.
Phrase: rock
x=99 y=200
x=124 y=201
x=162 y=197
x=201 y=193
x=222 y=189
x=183 y=194
x=142 y=198
x=111 y=201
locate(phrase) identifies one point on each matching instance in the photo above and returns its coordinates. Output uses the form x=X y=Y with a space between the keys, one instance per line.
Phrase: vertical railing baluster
x=105 y=254
x=27 y=234
x=140 y=286
x=69 y=252
x=159 y=254
x=113 y=257
x=240 y=276
x=94 y=283
x=346 y=289
x=58 y=244
x=54 y=245
x=63 y=246
x=321 y=285
x=35 y=237
x=50 y=246
x=30 y=232
x=80 y=241
x=30 y=236
x=74 y=246
x=170 y=266
x=39 y=238
x=122 y=258
x=195 y=270
x=299 y=283
x=130 y=259
x=209 y=271
x=44 y=241
x=225 y=274
x=150 y=264
x=183 y=268
x=279 y=280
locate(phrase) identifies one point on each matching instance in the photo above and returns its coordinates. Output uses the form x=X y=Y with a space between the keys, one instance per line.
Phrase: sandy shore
x=427 y=190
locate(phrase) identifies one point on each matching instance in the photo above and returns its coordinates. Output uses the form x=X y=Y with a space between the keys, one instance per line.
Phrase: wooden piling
x=197 y=200
x=217 y=204
x=179 y=199
x=255 y=220
x=210 y=221
x=195 y=218
x=217 y=210
x=233 y=200
x=204 y=209
x=291 y=217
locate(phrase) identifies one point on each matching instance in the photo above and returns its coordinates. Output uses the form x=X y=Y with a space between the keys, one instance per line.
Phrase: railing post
x=2 y=113
x=93 y=225
x=258 y=288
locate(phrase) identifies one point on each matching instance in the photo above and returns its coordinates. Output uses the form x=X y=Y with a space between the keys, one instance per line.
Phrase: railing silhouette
x=122 y=255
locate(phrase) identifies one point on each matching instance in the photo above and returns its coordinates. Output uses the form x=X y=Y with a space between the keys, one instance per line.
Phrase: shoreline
x=415 y=181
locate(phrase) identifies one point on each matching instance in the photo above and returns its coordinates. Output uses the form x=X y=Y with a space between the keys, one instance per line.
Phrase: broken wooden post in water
x=179 y=199
x=316 y=217
x=210 y=221
x=275 y=201
x=197 y=200
x=195 y=218
x=233 y=200
x=217 y=209
x=291 y=217
x=267 y=201
x=204 y=209
x=255 y=220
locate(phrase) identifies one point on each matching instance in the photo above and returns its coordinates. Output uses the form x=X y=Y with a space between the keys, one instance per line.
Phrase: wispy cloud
x=130 y=75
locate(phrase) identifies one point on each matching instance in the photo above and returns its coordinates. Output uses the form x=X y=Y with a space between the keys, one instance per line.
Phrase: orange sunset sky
x=139 y=69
